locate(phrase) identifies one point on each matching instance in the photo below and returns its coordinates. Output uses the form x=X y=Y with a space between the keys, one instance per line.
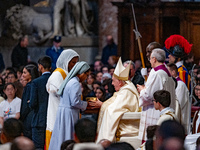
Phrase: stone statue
x=77 y=17
x=76 y=21
x=24 y=20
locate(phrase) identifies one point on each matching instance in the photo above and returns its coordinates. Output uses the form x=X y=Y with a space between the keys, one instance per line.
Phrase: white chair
x=134 y=141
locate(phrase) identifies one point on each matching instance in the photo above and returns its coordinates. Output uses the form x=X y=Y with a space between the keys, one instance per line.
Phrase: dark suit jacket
x=39 y=100
x=25 y=109
x=137 y=79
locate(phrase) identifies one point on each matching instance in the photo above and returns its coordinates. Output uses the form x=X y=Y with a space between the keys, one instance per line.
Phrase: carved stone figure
x=77 y=20
x=24 y=20
x=77 y=17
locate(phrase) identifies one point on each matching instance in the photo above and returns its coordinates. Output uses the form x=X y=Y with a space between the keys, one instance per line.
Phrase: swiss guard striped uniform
x=183 y=74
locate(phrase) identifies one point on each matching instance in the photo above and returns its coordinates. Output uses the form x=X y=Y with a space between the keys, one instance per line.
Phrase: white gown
x=157 y=80
x=182 y=94
x=109 y=125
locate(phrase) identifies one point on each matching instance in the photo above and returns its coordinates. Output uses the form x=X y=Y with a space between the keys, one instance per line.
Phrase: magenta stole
x=162 y=67
x=178 y=79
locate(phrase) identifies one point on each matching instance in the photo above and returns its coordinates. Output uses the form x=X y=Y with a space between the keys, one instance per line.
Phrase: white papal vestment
x=110 y=126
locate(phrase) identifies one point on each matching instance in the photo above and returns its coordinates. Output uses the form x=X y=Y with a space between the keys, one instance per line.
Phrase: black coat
x=19 y=56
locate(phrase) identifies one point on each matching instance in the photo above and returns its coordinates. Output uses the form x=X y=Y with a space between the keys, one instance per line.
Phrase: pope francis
x=125 y=99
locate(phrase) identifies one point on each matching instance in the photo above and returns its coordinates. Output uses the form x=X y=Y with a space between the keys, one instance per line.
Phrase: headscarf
x=65 y=57
x=79 y=68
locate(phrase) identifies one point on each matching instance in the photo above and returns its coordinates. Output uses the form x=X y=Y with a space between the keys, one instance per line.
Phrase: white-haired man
x=159 y=79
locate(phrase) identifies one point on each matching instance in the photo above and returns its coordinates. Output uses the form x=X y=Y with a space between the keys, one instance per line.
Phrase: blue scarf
x=79 y=68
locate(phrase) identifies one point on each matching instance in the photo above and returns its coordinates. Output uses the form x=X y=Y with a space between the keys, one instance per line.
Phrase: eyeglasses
x=151 y=58
x=10 y=77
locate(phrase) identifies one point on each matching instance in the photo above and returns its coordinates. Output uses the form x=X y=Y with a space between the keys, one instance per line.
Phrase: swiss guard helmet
x=178 y=46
